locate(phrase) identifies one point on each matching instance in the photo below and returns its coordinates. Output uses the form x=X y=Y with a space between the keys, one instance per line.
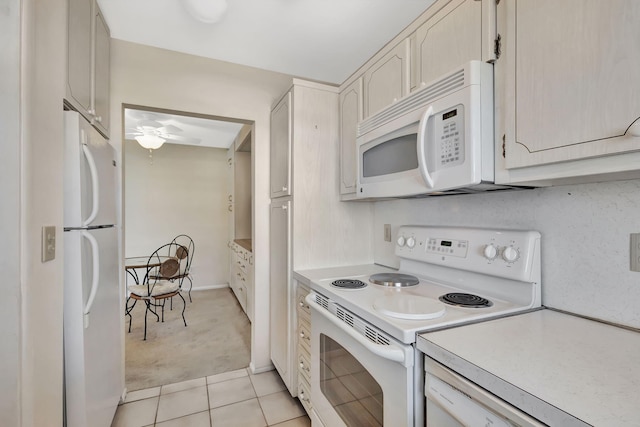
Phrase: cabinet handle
x=304 y=368
x=98 y=119
x=284 y=207
x=284 y=188
x=230 y=198
x=302 y=397
x=230 y=208
x=91 y=111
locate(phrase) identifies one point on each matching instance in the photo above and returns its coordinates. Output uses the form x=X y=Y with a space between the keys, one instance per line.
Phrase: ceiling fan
x=151 y=133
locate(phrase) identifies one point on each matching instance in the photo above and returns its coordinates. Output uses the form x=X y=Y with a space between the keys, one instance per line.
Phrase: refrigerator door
x=90 y=175
x=94 y=379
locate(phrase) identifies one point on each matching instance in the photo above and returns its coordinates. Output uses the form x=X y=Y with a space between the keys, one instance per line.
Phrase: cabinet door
x=280 y=288
x=79 y=44
x=281 y=148
x=387 y=80
x=101 y=75
x=449 y=39
x=572 y=90
x=350 y=115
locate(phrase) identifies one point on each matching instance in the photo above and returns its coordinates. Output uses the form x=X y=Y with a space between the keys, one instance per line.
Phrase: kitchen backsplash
x=585 y=239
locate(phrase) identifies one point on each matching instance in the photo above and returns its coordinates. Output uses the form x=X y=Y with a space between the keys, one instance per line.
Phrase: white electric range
x=365 y=366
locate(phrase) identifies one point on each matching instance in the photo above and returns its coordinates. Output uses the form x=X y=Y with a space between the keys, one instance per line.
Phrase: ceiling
x=184 y=130
x=324 y=40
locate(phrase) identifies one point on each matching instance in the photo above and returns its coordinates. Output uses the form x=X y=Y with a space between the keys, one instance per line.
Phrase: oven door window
x=354 y=394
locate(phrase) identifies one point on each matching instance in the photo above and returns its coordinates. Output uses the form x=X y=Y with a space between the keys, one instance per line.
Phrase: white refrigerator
x=94 y=378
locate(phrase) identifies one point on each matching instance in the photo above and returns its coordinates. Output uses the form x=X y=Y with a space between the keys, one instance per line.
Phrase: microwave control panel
x=449 y=137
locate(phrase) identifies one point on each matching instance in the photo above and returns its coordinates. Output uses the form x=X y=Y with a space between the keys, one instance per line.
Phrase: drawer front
x=304 y=395
x=304 y=366
x=304 y=336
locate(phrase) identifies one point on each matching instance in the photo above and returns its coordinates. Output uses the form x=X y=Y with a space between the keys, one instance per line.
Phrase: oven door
x=354 y=381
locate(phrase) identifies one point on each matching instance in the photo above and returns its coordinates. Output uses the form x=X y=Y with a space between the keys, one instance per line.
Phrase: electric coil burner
x=348 y=284
x=394 y=279
x=465 y=300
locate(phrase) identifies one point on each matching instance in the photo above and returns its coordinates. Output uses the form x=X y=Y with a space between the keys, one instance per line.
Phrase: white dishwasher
x=454 y=401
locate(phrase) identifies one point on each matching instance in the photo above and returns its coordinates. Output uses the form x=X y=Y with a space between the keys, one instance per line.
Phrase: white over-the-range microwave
x=438 y=140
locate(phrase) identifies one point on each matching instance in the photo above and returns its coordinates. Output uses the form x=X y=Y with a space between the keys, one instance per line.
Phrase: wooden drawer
x=304 y=336
x=304 y=394
x=304 y=366
x=301 y=294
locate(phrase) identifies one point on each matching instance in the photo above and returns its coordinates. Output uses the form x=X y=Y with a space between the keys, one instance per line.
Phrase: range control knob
x=490 y=251
x=411 y=242
x=510 y=254
x=400 y=241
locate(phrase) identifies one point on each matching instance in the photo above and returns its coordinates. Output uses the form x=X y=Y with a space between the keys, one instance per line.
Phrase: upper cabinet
x=568 y=87
x=448 y=39
x=88 y=64
x=387 y=80
x=350 y=115
x=281 y=148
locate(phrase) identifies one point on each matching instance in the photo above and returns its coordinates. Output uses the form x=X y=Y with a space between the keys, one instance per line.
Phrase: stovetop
x=500 y=266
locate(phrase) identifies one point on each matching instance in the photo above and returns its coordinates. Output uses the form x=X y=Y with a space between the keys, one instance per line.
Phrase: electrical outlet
x=634 y=252
x=48 y=243
x=387 y=232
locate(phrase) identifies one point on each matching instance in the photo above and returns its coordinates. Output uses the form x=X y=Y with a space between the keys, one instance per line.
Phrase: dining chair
x=160 y=283
x=184 y=252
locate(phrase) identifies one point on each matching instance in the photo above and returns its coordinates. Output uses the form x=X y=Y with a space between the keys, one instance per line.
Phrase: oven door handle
x=390 y=352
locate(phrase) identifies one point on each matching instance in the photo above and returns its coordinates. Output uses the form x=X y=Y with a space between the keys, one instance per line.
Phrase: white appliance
x=365 y=367
x=437 y=140
x=94 y=380
x=454 y=401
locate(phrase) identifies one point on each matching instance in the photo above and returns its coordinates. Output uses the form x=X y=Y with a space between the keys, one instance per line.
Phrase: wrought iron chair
x=158 y=285
x=184 y=252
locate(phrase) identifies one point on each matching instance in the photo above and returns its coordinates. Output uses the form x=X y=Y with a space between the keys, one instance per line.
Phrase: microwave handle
x=422 y=157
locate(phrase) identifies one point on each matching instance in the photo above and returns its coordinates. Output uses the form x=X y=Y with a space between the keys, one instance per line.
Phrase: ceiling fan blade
x=149 y=124
x=169 y=129
x=181 y=139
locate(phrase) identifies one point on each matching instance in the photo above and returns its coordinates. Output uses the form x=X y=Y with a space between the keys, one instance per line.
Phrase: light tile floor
x=231 y=399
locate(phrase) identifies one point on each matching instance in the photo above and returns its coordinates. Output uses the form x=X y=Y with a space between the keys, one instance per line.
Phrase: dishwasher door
x=453 y=401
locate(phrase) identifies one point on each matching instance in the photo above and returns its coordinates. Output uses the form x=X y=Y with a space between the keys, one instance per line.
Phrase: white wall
x=32 y=136
x=182 y=191
x=585 y=239
x=10 y=212
x=152 y=77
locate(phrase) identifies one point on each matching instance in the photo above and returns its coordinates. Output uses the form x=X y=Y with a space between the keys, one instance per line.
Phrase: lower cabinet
x=304 y=347
x=241 y=277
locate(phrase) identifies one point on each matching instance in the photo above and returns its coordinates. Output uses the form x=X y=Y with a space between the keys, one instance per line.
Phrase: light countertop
x=245 y=243
x=561 y=369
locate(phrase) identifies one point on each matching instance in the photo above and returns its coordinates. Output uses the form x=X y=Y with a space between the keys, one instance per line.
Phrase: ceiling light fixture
x=207 y=11
x=151 y=142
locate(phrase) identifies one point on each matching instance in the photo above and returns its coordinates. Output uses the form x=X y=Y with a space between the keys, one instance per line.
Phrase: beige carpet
x=217 y=339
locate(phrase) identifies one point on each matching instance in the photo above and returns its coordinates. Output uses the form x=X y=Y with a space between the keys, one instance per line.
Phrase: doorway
x=182 y=187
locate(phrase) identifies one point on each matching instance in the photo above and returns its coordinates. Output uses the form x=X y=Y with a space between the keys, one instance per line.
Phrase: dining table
x=132 y=264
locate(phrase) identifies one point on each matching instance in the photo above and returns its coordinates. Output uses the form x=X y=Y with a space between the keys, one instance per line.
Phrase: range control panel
x=513 y=254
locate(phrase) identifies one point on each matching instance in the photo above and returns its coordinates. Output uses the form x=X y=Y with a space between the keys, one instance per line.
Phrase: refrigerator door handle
x=95 y=187
x=95 y=256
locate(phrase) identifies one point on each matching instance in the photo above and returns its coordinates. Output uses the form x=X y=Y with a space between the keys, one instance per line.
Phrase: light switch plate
x=387 y=232
x=634 y=251
x=48 y=243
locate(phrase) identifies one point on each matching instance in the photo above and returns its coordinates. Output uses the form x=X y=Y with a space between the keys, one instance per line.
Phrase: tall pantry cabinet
x=309 y=226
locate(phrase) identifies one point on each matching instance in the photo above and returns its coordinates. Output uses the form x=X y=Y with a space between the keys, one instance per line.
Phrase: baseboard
x=261 y=369
x=208 y=287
